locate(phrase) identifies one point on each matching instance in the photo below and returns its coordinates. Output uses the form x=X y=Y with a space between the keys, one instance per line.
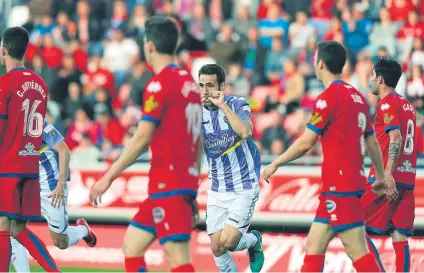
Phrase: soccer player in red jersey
x=171 y=125
x=342 y=120
x=395 y=124
x=23 y=103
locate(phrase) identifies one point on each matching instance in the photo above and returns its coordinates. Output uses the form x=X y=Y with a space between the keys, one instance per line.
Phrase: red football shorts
x=382 y=215
x=169 y=218
x=340 y=212
x=20 y=198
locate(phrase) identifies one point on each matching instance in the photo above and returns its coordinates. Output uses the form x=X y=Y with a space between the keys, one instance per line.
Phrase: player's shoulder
x=236 y=101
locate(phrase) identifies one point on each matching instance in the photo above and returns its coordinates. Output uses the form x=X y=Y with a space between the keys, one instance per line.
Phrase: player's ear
x=222 y=86
x=379 y=79
x=150 y=46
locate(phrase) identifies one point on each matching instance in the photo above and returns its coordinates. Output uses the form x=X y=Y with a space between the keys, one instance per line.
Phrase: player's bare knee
x=4 y=223
x=228 y=242
x=217 y=249
x=61 y=241
x=17 y=226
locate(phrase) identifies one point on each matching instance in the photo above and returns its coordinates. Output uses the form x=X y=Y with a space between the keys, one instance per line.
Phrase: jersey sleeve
x=389 y=114
x=323 y=111
x=154 y=102
x=51 y=135
x=242 y=109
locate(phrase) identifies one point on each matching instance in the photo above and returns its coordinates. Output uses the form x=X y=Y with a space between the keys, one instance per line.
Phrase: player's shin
x=37 y=249
x=367 y=263
x=225 y=263
x=76 y=233
x=5 y=251
x=403 y=256
x=313 y=263
x=135 y=264
x=374 y=251
x=20 y=257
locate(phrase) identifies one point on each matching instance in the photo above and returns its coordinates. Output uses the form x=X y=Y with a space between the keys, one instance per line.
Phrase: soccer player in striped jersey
x=54 y=174
x=234 y=169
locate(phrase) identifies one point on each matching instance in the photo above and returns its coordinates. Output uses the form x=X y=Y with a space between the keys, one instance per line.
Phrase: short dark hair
x=15 y=40
x=163 y=32
x=389 y=70
x=214 y=69
x=333 y=54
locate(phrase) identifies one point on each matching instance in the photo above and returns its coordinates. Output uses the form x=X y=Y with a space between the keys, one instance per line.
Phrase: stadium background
x=90 y=54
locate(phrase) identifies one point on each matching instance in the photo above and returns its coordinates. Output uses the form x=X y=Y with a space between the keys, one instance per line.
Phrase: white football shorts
x=57 y=218
x=232 y=208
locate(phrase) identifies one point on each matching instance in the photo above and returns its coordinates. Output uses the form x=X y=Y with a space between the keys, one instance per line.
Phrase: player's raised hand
x=268 y=171
x=217 y=98
x=98 y=190
x=58 y=195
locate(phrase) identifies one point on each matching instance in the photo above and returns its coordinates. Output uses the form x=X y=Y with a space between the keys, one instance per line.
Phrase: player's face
x=147 y=49
x=3 y=54
x=374 y=84
x=207 y=84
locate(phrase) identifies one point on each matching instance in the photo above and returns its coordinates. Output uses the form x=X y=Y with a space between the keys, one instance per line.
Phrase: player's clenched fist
x=98 y=190
x=268 y=171
x=217 y=98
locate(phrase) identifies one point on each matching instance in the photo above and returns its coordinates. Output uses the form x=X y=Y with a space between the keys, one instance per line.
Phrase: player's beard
x=374 y=89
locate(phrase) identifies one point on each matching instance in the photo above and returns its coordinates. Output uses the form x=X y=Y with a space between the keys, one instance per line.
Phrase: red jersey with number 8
x=342 y=119
x=23 y=103
x=172 y=102
x=394 y=112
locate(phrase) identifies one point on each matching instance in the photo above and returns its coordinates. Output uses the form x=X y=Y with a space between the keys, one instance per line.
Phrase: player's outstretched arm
x=137 y=144
x=383 y=186
x=58 y=196
x=394 y=149
x=295 y=151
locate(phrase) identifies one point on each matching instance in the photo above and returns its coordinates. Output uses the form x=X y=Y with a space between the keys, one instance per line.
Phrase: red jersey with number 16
x=394 y=112
x=23 y=103
x=342 y=119
x=172 y=102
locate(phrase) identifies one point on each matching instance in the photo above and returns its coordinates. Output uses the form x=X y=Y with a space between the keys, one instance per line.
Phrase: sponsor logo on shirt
x=158 y=214
x=385 y=107
x=321 y=104
x=30 y=150
x=331 y=205
x=150 y=104
x=315 y=119
x=154 y=87
x=406 y=167
x=387 y=118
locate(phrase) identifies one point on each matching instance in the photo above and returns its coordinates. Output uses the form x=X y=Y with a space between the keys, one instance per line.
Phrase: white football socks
x=225 y=263
x=76 y=233
x=20 y=258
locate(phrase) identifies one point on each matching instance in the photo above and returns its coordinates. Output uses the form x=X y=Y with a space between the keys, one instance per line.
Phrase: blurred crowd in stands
x=90 y=54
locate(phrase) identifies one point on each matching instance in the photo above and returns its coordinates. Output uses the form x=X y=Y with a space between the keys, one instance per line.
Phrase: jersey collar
x=18 y=68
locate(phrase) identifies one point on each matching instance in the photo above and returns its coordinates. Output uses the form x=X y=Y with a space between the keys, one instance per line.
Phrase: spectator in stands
x=226 y=47
x=321 y=9
x=335 y=29
x=219 y=11
x=40 y=7
x=45 y=27
x=263 y=10
x=48 y=75
x=274 y=138
x=98 y=75
x=82 y=128
x=363 y=71
x=242 y=22
x=300 y=32
x=399 y=9
x=238 y=82
x=90 y=30
x=273 y=26
x=119 y=15
x=275 y=60
x=67 y=74
x=138 y=81
x=292 y=86
x=64 y=31
x=254 y=63
x=306 y=58
x=135 y=25
x=85 y=152
x=384 y=34
x=200 y=29
x=111 y=128
x=51 y=54
x=415 y=87
x=417 y=54
x=72 y=103
x=120 y=54
x=414 y=27
x=80 y=56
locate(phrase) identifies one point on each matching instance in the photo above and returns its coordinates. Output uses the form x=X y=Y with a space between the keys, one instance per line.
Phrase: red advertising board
x=293 y=192
x=283 y=253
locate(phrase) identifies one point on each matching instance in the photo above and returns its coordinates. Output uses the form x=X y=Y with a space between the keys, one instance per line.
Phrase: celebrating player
x=394 y=126
x=171 y=124
x=54 y=174
x=234 y=170
x=342 y=120
x=23 y=102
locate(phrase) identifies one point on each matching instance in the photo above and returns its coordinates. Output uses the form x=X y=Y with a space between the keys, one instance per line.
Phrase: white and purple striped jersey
x=49 y=159
x=234 y=163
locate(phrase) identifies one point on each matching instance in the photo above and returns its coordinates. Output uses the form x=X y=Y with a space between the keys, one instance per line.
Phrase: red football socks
x=403 y=257
x=135 y=264
x=313 y=263
x=374 y=251
x=5 y=251
x=367 y=263
x=183 y=268
x=37 y=249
